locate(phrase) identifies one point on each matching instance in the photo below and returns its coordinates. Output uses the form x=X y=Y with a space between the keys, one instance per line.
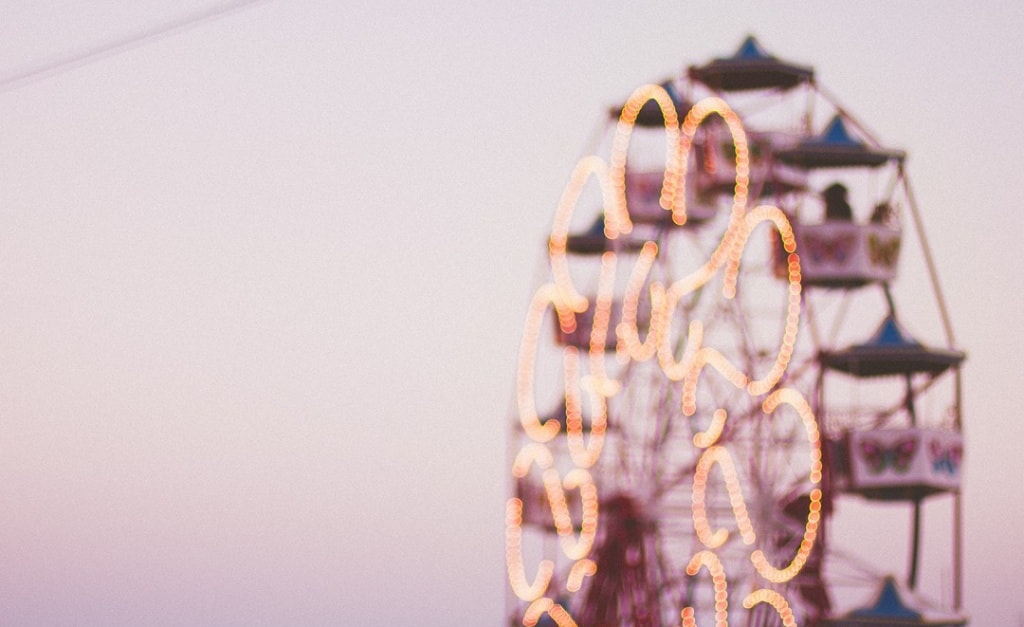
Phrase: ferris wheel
x=715 y=362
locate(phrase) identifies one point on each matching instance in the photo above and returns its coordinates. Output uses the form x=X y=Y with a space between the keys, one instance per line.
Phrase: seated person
x=883 y=214
x=836 y=205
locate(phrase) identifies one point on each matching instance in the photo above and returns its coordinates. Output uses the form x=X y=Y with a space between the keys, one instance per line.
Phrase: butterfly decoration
x=898 y=456
x=883 y=252
x=830 y=249
x=945 y=458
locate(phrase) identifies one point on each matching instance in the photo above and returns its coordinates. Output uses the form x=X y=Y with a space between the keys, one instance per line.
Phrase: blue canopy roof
x=891 y=334
x=751 y=49
x=750 y=68
x=836 y=147
x=889 y=351
x=835 y=133
x=888 y=605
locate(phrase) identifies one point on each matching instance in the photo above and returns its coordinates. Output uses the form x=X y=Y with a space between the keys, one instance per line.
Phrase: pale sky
x=263 y=282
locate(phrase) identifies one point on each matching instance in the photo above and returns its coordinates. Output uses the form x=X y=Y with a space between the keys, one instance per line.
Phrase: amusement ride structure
x=717 y=363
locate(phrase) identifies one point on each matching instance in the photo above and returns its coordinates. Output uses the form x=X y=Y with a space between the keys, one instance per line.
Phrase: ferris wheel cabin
x=840 y=252
x=896 y=464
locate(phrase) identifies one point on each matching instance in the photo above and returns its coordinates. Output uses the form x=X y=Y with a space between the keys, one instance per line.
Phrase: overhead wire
x=132 y=40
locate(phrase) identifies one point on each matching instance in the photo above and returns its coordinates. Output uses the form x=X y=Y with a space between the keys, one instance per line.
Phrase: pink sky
x=263 y=283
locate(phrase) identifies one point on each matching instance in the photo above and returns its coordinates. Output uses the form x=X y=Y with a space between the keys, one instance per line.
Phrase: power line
x=113 y=47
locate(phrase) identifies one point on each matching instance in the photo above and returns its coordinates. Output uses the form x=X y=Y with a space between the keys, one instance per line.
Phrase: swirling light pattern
x=619 y=221
x=568 y=303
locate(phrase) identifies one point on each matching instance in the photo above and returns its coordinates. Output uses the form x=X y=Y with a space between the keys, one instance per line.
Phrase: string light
x=584 y=454
x=677 y=370
x=709 y=436
x=713 y=540
x=707 y=559
x=601 y=324
x=582 y=568
x=546 y=606
x=573 y=547
x=628 y=330
x=774 y=599
x=773 y=215
x=542 y=299
x=521 y=586
x=707 y=356
x=671 y=182
x=576 y=479
x=794 y=399
x=557 y=242
x=693 y=120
